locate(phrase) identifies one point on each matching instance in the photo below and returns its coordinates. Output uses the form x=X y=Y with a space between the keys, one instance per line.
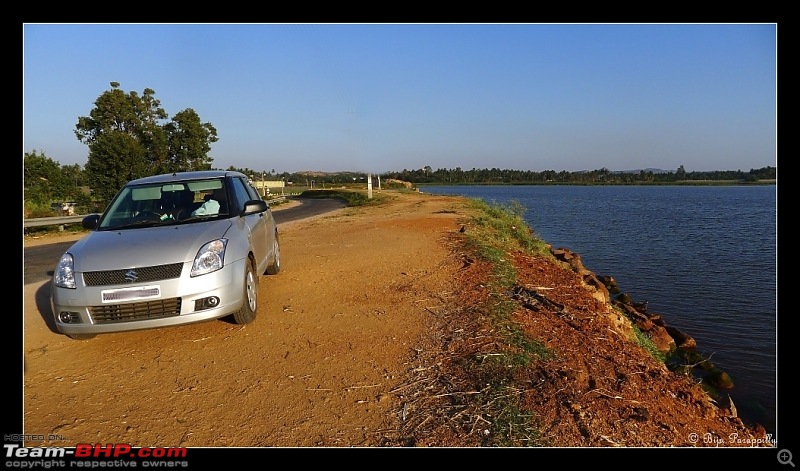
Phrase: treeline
x=46 y=182
x=497 y=176
x=303 y=178
x=130 y=135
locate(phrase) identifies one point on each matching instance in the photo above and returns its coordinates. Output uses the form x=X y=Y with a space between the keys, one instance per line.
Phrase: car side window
x=242 y=195
x=253 y=191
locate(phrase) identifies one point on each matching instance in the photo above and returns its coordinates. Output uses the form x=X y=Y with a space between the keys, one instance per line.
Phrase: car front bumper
x=164 y=303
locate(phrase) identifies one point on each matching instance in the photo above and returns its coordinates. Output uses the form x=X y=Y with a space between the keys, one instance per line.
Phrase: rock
x=624 y=298
x=719 y=379
x=730 y=406
x=600 y=291
x=571 y=258
x=681 y=339
x=610 y=283
x=661 y=339
x=640 y=306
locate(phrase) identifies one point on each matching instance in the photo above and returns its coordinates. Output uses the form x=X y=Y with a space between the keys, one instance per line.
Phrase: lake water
x=704 y=257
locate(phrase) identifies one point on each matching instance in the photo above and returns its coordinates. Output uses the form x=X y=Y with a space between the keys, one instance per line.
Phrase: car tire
x=247 y=313
x=275 y=265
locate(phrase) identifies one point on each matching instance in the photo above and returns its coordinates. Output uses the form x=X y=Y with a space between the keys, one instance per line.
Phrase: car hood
x=132 y=248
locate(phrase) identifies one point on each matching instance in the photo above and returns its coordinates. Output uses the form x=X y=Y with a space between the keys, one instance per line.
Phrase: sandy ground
x=332 y=339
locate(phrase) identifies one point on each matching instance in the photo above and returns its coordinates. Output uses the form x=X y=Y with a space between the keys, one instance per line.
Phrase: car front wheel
x=247 y=313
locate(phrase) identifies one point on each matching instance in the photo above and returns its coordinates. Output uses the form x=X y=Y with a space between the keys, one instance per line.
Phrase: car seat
x=221 y=198
x=185 y=204
x=168 y=203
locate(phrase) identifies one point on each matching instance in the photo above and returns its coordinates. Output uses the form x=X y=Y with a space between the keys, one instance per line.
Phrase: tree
x=45 y=182
x=41 y=178
x=114 y=159
x=189 y=142
x=128 y=138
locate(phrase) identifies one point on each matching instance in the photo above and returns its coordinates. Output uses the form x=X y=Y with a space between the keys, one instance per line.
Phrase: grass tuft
x=511 y=426
x=647 y=343
x=496 y=231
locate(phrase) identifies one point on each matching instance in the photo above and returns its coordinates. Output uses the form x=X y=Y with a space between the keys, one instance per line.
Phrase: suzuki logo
x=131 y=276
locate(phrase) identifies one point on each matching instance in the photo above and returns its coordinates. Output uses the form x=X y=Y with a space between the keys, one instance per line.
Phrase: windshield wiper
x=198 y=217
x=131 y=224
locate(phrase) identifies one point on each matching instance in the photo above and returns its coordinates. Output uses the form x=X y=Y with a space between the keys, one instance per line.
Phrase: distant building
x=66 y=208
x=269 y=184
x=265 y=187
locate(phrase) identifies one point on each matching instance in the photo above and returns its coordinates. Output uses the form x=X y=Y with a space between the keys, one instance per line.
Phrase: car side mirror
x=254 y=206
x=90 y=221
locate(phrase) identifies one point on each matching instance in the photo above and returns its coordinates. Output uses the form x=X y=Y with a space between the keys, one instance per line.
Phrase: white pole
x=369 y=185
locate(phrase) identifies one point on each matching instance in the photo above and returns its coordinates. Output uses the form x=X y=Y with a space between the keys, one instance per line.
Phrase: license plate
x=127 y=294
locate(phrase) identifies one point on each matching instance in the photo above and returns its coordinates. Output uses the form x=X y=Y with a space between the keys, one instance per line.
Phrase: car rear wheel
x=275 y=266
x=247 y=313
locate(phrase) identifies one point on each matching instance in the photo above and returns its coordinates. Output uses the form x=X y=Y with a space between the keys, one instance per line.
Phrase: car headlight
x=64 y=275
x=210 y=257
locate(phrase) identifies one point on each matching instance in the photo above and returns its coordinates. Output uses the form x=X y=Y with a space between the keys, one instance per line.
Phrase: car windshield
x=166 y=203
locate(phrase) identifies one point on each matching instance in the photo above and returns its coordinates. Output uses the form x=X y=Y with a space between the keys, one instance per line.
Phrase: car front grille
x=129 y=275
x=110 y=314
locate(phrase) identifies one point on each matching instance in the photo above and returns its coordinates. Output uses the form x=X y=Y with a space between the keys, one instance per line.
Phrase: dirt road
x=333 y=338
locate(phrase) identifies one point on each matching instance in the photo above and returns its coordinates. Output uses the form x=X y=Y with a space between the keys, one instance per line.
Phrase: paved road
x=308 y=207
x=39 y=261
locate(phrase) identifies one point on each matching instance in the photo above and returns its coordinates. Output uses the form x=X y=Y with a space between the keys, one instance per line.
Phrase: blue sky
x=385 y=97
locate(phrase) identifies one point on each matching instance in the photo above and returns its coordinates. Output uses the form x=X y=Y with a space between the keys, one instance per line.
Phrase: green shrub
x=39 y=210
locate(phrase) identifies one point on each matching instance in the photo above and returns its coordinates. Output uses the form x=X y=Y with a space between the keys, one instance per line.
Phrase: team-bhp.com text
x=93 y=456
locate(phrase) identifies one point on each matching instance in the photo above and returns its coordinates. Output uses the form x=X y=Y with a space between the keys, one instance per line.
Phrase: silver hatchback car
x=169 y=249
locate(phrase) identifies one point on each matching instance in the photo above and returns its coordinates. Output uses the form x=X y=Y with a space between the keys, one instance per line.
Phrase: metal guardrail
x=52 y=221
x=63 y=220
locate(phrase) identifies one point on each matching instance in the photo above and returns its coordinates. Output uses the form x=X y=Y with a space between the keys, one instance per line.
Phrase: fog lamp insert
x=206 y=303
x=66 y=317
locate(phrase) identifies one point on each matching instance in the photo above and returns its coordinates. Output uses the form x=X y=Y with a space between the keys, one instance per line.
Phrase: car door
x=258 y=223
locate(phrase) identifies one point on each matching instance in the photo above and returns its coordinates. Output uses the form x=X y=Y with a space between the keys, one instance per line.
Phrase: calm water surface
x=704 y=257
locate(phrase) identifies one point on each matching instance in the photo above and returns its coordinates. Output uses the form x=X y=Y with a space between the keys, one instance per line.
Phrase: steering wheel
x=148 y=216
x=181 y=214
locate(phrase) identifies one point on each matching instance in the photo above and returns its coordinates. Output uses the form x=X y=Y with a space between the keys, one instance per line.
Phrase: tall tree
x=189 y=142
x=128 y=138
x=114 y=159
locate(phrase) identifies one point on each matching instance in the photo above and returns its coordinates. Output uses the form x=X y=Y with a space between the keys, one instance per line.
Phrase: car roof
x=182 y=176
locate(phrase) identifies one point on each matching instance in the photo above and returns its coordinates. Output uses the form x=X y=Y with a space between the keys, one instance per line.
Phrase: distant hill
x=312 y=173
x=315 y=173
x=637 y=171
x=653 y=170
